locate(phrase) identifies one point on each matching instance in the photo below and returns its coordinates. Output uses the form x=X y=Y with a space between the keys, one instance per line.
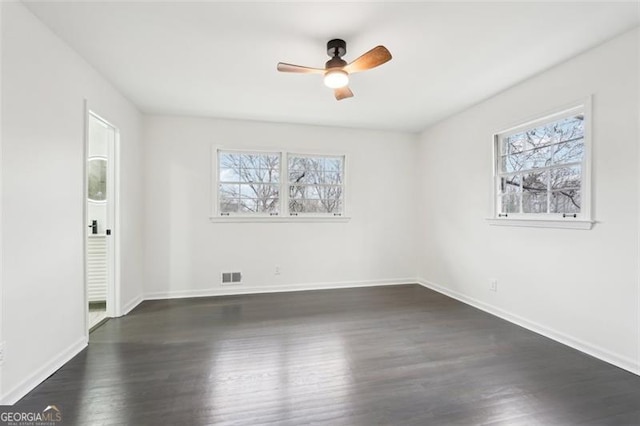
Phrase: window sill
x=543 y=223
x=281 y=219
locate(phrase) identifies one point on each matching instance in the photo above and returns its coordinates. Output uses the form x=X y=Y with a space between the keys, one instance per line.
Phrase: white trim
x=638 y=236
x=2 y=314
x=113 y=216
x=40 y=375
x=131 y=305
x=239 y=289
x=596 y=351
x=85 y=210
x=281 y=219
x=542 y=223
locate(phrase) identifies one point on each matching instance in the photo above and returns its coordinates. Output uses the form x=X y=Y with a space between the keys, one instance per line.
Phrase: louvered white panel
x=97 y=268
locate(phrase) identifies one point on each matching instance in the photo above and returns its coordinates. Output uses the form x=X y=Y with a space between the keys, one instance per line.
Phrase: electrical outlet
x=2 y=345
x=277 y=270
x=493 y=285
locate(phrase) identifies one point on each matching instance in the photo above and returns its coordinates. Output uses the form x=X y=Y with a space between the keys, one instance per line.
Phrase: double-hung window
x=254 y=185
x=249 y=183
x=316 y=184
x=542 y=170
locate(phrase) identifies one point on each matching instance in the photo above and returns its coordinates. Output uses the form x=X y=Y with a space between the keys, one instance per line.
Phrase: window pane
x=514 y=144
x=270 y=175
x=331 y=192
x=229 y=191
x=297 y=191
x=510 y=184
x=569 y=128
x=533 y=159
x=249 y=175
x=566 y=177
x=331 y=205
x=248 y=205
x=333 y=165
x=510 y=203
x=229 y=175
x=269 y=162
x=268 y=205
x=535 y=181
x=534 y=202
x=314 y=192
x=259 y=191
x=251 y=161
x=569 y=152
x=333 y=178
x=295 y=206
x=298 y=176
x=539 y=157
x=247 y=191
x=311 y=206
x=566 y=201
x=229 y=205
x=510 y=163
x=229 y=160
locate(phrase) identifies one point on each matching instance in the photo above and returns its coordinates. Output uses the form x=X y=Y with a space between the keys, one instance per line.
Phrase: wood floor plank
x=366 y=356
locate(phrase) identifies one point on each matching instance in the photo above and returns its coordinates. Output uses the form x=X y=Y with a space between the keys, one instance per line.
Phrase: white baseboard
x=575 y=343
x=131 y=305
x=40 y=375
x=239 y=289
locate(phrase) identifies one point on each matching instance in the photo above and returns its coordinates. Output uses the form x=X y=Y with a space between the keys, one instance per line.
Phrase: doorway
x=100 y=218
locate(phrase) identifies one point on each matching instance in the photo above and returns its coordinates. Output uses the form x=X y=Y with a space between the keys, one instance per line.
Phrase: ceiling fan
x=336 y=71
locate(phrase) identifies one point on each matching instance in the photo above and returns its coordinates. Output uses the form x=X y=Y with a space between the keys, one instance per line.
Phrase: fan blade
x=343 y=93
x=282 y=67
x=373 y=58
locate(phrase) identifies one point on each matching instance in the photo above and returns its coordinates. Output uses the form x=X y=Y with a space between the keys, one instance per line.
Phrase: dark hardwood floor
x=385 y=355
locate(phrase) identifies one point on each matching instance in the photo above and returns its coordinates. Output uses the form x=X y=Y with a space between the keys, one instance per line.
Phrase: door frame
x=113 y=241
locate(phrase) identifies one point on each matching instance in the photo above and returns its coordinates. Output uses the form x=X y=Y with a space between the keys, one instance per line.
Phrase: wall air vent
x=230 y=278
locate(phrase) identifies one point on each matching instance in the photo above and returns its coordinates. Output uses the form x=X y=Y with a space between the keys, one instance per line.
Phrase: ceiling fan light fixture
x=336 y=78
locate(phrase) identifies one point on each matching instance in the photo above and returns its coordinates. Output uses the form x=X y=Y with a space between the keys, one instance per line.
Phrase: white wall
x=578 y=286
x=44 y=86
x=185 y=252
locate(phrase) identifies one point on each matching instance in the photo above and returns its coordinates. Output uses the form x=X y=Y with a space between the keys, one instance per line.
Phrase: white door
x=100 y=219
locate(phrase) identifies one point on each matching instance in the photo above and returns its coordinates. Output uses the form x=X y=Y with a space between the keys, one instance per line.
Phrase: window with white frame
x=254 y=184
x=541 y=168
x=316 y=184
x=249 y=183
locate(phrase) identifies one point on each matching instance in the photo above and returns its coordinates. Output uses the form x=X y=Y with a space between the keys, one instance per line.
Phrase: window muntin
x=316 y=184
x=249 y=183
x=540 y=169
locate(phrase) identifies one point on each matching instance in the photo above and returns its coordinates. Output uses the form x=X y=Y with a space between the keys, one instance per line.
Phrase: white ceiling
x=219 y=59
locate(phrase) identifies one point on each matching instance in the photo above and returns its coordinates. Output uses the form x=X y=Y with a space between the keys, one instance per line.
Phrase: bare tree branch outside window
x=541 y=169
x=249 y=183
x=316 y=184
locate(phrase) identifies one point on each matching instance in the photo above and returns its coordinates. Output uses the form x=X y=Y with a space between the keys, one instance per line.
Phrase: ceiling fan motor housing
x=336 y=47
